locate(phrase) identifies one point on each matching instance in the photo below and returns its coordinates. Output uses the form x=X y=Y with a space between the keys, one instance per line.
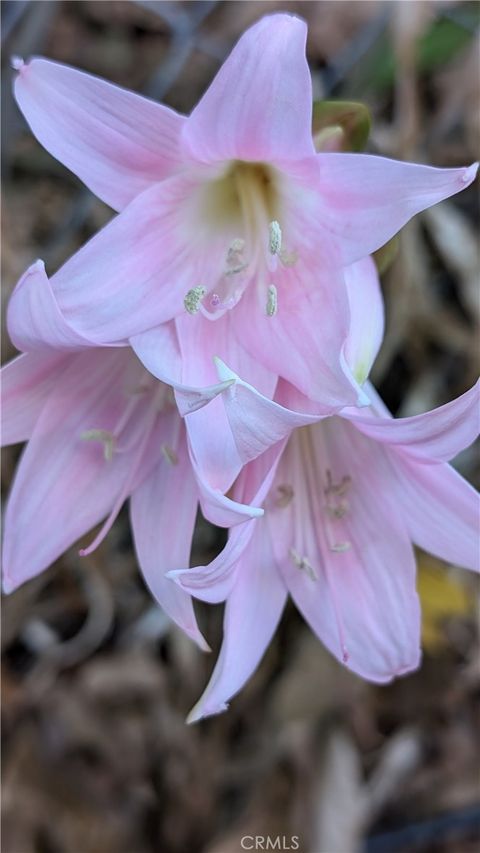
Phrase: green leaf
x=351 y=117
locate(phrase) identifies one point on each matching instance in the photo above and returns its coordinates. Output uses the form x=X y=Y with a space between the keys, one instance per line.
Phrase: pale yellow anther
x=235 y=259
x=275 y=237
x=337 y=507
x=104 y=437
x=288 y=259
x=340 y=547
x=272 y=301
x=302 y=563
x=169 y=454
x=193 y=299
x=236 y=248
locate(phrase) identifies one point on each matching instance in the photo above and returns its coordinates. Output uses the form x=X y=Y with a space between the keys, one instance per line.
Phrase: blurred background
x=96 y=681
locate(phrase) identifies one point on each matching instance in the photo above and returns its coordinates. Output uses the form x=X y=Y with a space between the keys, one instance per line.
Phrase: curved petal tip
x=469 y=174
x=8 y=584
x=198 y=713
x=17 y=63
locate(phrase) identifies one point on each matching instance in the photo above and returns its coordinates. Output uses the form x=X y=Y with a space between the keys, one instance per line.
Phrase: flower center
x=245 y=206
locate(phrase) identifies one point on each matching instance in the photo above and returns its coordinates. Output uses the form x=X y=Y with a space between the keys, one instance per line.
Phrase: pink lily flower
x=349 y=496
x=230 y=223
x=100 y=429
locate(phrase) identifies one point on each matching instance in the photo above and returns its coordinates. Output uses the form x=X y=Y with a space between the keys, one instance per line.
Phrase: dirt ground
x=96 y=681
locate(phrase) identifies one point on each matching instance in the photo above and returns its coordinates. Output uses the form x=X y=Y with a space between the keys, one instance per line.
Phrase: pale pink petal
x=367 y=199
x=134 y=274
x=259 y=106
x=441 y=510
x=26 y=382
x=303 y=342
x=115 y=141
x=356 y=584
x=213 y=582
x=256 y=422
x=367 y=317
x=158 y=349
x=249 y=491
x=217 y=507
x=34 y=319
x=213 y=445
x=252 y=613
x=163 y=510
x=435 y=436
x=64 y=486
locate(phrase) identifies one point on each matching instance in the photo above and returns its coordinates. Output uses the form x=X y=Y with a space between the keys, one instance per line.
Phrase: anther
x=340 y=547
x=169 y=454
x=236 y=248
x=235 y=260
x=337 y=507
x=193 y=299
x=288 y=259
x=302 y=563
x=104 y=437
x=284 y=495
x=272 y=301
x=275 y=237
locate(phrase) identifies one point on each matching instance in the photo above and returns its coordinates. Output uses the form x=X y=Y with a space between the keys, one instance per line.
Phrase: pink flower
x=100 y=429
x=345 y=499
x=230 y=223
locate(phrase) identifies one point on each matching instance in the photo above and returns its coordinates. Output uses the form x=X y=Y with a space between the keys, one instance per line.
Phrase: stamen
x=236 y=248
x=337 y=507
x=169 y=454
x=275 y=237
x=235 y=260
x=303 y=563
x=285 y=495
x=105 y=437
x=126 y=487
x=193 y=299
x=288 y=259
x=272 y=301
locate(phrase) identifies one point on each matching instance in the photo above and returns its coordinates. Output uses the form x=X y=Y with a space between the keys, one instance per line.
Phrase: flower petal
x=257 y=423
x=133 y=275
x=435 y=436
x=259 y=106
x=34 y=319
x=210 y=435
x=162 y=510
x=441 y=510
x=64 y=485
x=252 y=613
x=352 y=577
x=158 y=349
x=303 y=342
x=115 y=141
x=214 y=582
x=367 y=317
x=367 y=199
x=216 y=506
x=26 y=382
